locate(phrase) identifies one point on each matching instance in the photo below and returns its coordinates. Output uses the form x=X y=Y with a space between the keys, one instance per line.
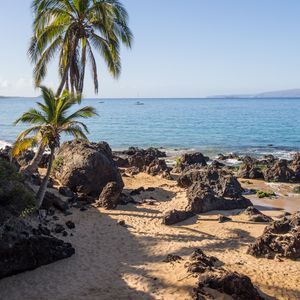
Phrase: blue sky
x=190 y=48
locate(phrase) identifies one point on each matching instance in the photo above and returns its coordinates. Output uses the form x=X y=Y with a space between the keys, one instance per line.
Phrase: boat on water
x=139 y=103
x=100 y=101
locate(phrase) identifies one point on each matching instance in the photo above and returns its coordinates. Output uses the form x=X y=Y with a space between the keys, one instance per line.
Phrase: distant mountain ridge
x=292 y=93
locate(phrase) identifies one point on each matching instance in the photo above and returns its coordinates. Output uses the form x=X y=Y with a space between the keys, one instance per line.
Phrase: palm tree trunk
x=34 y=164
x=43 y=187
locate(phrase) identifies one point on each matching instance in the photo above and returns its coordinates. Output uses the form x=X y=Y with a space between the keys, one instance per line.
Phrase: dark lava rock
x=110 y=196
x=23 y=249
x=236 y=285
x=121 y=162
x=295 y=166
x=172 y=258
x=223 y=219
x=66 y=191
x=175 y=216
x=158 y=167
x=51 y=199
x=137 y=191
x=200 y=262
x=133 y=171
x=70 y=224
x=87 y=167
x=58 y=228
x=210 y=188
x=279 y=172
x=256 y=216
x=189 y=159
x=281 y=238
x=122 y=223
x=249 y=169
x=141 y=158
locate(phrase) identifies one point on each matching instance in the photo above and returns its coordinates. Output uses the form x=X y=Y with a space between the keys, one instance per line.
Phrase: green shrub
x=57 y=163
x=264 y=194
x=178 y=161
x=14 y=194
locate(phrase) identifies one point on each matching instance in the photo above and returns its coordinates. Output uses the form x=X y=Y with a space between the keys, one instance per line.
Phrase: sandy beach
x=126 y=262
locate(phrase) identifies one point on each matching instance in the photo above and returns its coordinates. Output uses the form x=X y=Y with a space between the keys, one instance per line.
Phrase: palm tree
x=73 y=29
x=48 y=123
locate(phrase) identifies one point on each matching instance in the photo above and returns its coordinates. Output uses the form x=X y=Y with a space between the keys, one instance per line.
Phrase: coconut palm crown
x=73 y=29
x=52 y=119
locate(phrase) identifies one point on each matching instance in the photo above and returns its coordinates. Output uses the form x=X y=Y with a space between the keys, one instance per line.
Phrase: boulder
x=86 y=167
x=121 y=162
x=110 y=196
x=279 y=172
x=280 y=238
x=249 y=169
x=211 y=188
x=66 y=191
x=158 y=167
x=175 y=216
x=22 y=248
x=236 y=285
x=190 y=160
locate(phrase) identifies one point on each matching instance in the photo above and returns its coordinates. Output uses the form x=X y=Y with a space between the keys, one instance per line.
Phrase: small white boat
x=139 y=103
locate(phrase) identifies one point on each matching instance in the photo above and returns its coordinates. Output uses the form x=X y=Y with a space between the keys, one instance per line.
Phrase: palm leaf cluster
x=51 y=119
x=73 y=30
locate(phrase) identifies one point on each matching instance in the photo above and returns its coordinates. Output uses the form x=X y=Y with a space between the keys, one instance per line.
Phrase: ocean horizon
x=211 y=125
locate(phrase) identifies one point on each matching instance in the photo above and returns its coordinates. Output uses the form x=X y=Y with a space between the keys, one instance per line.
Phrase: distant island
x=292 y=93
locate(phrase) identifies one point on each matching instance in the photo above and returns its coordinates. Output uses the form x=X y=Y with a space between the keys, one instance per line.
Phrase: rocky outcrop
x=280 y=238
x=279 y=172
x=142 y=158
x=233 y=284
x=86 y=167
x=211 y=188
x=249 y=169
x=175 y=216
x=24 y=248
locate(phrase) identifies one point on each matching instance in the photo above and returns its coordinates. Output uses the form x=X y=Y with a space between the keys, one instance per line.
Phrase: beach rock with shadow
x=200 y=262
x=280 y=238
x=233 y=284
x=211 y=188
x=175 y=216
x=110 y=196
x=24 y=248
x=86 y=167
x=254 y=215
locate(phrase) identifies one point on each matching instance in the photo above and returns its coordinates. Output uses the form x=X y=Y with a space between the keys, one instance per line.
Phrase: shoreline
x=127 y=262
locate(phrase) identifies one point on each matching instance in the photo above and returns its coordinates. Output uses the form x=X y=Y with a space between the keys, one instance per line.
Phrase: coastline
x=126 y=262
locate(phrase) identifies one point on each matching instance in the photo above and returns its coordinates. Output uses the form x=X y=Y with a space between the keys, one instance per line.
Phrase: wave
x=3 y=144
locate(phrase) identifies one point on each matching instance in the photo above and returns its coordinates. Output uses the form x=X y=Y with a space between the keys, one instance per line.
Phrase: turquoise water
x=255 y=126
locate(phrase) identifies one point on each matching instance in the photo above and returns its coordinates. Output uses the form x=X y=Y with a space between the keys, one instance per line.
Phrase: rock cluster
x=271 y=169
x=254 y=215
x=280 y=238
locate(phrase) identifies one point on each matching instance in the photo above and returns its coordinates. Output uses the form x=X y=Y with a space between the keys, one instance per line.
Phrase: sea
x=243 y=126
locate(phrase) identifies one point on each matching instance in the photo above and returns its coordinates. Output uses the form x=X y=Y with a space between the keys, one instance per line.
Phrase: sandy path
x=114 y=262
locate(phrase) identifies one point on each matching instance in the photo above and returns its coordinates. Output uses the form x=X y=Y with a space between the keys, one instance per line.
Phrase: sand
x=116 y=262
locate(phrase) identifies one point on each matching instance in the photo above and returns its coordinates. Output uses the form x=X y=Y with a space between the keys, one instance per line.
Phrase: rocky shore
x=130 y=224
